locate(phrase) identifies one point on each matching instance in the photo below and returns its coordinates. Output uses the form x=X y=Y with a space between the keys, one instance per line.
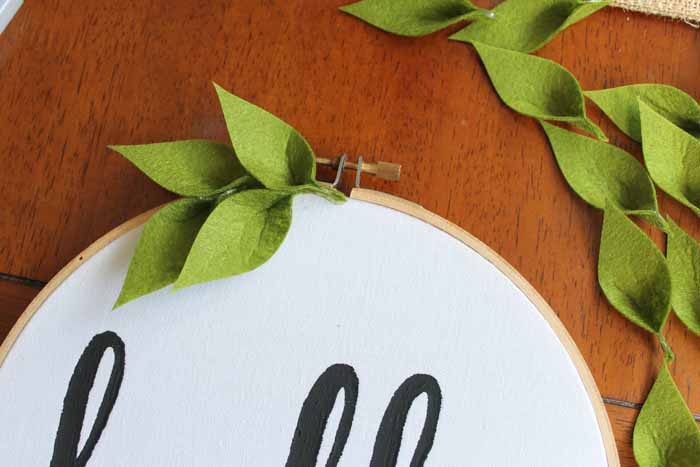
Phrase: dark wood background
x=76 y=76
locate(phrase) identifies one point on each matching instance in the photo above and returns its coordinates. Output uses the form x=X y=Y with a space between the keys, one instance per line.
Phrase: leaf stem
x=486 y=13
x=668 y=352
x=658 y=221
x=243 y=183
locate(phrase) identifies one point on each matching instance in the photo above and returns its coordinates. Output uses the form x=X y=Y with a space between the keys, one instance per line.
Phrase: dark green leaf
x=536 y=87
x=672 y=157
x=413 y=17
x=527 y=25
x=633 y=273
x=665 y=434
x=272 y=151
x=188 y=168
x=621 y=106
x=243 y=232
x=164 y=244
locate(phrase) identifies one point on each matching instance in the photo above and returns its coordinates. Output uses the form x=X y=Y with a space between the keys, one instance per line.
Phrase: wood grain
x=622 y=420
x=77 y=76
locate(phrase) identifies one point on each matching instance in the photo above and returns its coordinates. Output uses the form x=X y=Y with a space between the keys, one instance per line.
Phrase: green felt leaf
x=414 y=17
x=272 y=151
x=672 y=157
x=164 y=244
x=632 y=272
x=621 y=106
x=527 y=25
x=665 y=434
x=246 y=182
x=536 y=87
x=683 y=256
x=325 y=191
x=188 y=168
x=242 y=232
x=600 y=173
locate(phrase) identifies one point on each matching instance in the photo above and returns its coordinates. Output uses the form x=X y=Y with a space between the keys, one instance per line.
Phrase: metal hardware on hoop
x=339 y=170
x=383 y=170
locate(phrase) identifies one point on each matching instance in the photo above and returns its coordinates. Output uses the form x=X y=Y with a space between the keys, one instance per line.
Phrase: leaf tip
x=346 y=8
x=546 y=126
x=121 y=300
x=645 y=110
x=221 y=92
x=460 y=36
x=217 y=88
x=599 y=133
x=119 y=148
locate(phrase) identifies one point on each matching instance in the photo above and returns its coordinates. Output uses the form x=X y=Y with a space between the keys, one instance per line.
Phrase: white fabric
x=216 y=374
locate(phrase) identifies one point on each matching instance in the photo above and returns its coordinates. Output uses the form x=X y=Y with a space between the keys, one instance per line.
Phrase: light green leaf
x=272 y=151
x=672 y=157
x=621 y=106
x=243 y=232
x=164 y=244
x=683 y=254
x=632 y=272
x=665 y=434
x=536 y=87
x=188 y=168
x=527 y=25
x=601 y=173
x=413 y=17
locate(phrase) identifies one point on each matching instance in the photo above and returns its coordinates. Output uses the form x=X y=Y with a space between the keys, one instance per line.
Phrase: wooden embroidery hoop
x=405 y=207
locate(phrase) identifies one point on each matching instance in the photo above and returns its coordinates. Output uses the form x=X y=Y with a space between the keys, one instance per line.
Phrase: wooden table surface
x=76 y=76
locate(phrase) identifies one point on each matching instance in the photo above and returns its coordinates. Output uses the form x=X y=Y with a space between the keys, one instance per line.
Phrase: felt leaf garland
x=601 y=173
x=242 y=233
x=188 y=168
x=683 y=253
x=237 y=210
x=632 y=272
x=621 y=106
x=272 y=151
x=536 y=87
x=527 y=25
x=672 y=157
x=666 y=434
x=163 y=247
x=413 y=17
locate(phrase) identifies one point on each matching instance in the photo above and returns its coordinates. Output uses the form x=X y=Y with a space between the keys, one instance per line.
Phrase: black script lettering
x=314 y=417
x=388 y=441
x=318 y=405
x=65 y=449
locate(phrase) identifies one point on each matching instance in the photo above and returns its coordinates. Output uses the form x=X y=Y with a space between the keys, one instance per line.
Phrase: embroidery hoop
x=402 y=206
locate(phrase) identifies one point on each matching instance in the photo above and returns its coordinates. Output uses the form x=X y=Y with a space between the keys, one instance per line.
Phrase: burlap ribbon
x=688 y=10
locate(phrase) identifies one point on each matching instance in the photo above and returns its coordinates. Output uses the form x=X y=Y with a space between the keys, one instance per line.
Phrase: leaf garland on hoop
x=237 y=200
